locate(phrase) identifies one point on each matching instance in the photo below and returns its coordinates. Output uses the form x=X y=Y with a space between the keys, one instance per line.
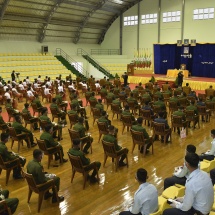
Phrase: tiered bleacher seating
x=32 y=65
x=114 y=68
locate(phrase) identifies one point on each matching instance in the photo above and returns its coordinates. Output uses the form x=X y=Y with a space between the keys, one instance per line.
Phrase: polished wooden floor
x=116 y=189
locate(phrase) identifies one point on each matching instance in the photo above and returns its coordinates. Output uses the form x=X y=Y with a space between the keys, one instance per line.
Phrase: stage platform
x=196 y=83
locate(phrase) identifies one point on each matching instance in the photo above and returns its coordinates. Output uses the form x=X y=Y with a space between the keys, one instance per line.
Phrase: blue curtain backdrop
x=202 y=63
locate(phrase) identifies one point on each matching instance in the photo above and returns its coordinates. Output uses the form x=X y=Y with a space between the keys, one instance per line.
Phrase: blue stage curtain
x=164 y=58
x=204 y=60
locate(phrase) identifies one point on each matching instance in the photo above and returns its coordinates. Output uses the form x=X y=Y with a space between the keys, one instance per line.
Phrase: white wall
x=33 y=47
x=112 y=37
x=201 y=30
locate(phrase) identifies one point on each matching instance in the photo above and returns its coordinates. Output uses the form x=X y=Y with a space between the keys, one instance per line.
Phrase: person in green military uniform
x=12 y=203
x=9 y=106
x=174 y=98
x=126 y=112
x=72 y=94
x=10 y=156
x=17 y=125
x=37 y=102
x=112 y=139
x=193 y=107
x=117 y=102
x=79 y=106
x=50 y=142
x=3 y=124
x=74 y=111
x=111 y=94
x=139 y=127
x=81 y=129
x=116 y=91
x=104 y=118
x=146 y=97
x=132 y=99
x=161 y=104
x=61 y=113
x=75 y=151
x=104 y=90
x=59 y=100
x=35 y=168
x=32 y=119
x=159 y=94
x=56 y=127
x=180 y=112
x=99 y=105
x=92 y=98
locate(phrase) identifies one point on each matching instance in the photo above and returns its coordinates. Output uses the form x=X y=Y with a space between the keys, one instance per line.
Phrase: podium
x=130 y=69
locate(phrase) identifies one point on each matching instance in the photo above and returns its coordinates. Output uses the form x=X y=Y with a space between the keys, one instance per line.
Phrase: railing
x=104 y=52
x=60 y=52
x=81 y=51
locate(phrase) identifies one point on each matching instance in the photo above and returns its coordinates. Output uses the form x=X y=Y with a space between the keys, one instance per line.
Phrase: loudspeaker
x=45 y=49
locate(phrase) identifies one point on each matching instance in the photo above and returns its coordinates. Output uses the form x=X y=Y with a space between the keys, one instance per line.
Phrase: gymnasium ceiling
x=77 y=21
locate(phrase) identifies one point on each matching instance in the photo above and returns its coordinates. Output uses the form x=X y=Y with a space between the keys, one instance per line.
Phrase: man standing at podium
x=180 y=78
x=125 y=78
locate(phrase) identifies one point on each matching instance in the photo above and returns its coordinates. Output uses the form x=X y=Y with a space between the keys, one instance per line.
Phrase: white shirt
x=145 y=199
x=199 y=193
x=46 y=91
x=60 y=88
x=181 y=172
x=21 y=87
x=29 y=93
x=49 y=83
x=24 y=84
x=212 y=151
x=7 y=95
x=5 y=87
x=97 y=85
x=14 y=90
x=71 y=87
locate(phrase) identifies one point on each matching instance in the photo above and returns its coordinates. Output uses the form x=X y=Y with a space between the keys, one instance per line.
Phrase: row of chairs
x=2 y=59
x=30 y=63
x=24 y=54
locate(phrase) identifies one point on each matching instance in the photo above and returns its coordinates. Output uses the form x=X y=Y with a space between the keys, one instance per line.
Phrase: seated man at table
x=139 y=127
x=81 y=130
x=35 y=168
x=75 y=151
x=110 y=137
